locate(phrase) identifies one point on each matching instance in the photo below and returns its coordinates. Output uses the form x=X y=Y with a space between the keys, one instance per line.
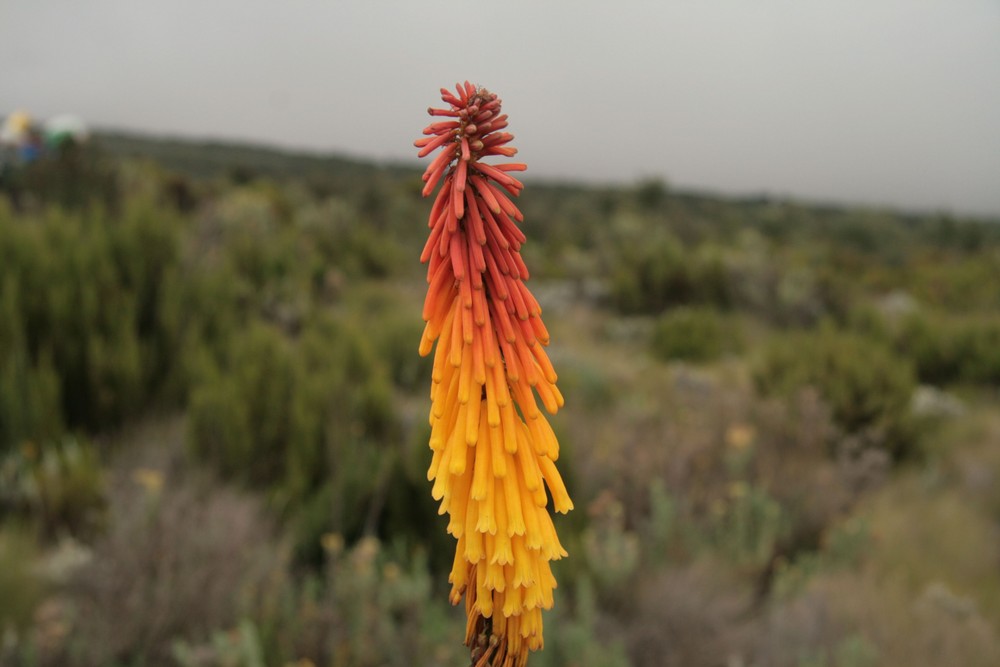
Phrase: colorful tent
x=16 y=129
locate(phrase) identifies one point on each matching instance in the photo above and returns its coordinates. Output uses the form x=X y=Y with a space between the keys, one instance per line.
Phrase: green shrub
x=395 y=337
x=311 y=421
x=748 y=525
x=653 y=272
x=82 y=304
x=694 y=335
x=59 y=483
x=29 y=389
x=241 y=407
x=74 y=177
x=21 y=588
x=948 y=349
x=371 y=606
x=587 y=384
x=866 y=385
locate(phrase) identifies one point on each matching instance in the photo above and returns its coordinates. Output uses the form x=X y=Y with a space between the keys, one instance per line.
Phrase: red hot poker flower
x=493 y=450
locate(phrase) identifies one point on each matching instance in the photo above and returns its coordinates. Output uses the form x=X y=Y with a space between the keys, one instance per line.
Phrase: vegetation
x=213 y=421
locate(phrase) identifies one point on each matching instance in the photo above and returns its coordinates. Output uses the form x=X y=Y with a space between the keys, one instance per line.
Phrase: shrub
x=310 y=421
x=852 y=620
x=693 y=616
x=74 y=176
x=587 y=383
x=747 y=527
x=59 y=483
x=952 y=349
x=694 y=335
x=867 y=387
x=98 y=277
x=174 y=564
x=652 y=274
x=372 y=607
x=20 y=587
x=29 y=389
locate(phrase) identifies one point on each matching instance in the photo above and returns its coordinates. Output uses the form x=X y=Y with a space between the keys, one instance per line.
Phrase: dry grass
x=177 y=556
x=885 y=624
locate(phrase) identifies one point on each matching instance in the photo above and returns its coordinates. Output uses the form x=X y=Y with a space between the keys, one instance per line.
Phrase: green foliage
x=651 y=193
x=851 y=651
x=663 y=519
x=75 y=273
x=612 y=551
x=29 y=392
x=651 y=274
x=310 y=420
x=844 y=546
x=239 y=407
x=867 y=387
x=577 y=637
x=587 y=383
x=691 y=334
x=748 y=525
x=21 y=588
x=958 y=282
x=74 y=177
x=58 y=483
x=393 y=341
x=369 y=609
x=235 y=648
x=292 y=415
x=948 y=349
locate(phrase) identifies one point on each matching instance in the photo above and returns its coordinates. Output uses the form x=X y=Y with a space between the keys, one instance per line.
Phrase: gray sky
x=874 y=101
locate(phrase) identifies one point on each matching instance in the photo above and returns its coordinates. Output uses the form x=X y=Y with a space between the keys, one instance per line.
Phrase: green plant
x=369 y=602
x=694 y=335
x=21 y=589
x=236 y=648
x=58 y=483
x=867 y=386
x=652 y=272
x=949 y=349
x=309 y=420
x=748 y=526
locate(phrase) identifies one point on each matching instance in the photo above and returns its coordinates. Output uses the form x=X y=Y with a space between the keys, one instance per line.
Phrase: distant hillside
x=337 y=173
x=197 y=159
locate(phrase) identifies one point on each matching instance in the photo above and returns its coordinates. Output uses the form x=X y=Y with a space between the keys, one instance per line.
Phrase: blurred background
x=767 y=241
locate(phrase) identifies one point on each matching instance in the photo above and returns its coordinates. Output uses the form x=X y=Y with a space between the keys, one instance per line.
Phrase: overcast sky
x=876 y=101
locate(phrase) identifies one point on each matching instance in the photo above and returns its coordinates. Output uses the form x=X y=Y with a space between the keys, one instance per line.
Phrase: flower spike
x=494 y=452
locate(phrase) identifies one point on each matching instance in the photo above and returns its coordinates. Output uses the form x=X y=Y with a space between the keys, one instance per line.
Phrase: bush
x=650 y=275
x=82 y=339
x=74 y=177
x=693 y=616
x=371 y=607
x=694 y=335
x=952 y=349
x=867 y=387
x=748 y=525
x=175 y=562
x=21 y=588
x=310 y=421
x=30 y=406
x=59 y=483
